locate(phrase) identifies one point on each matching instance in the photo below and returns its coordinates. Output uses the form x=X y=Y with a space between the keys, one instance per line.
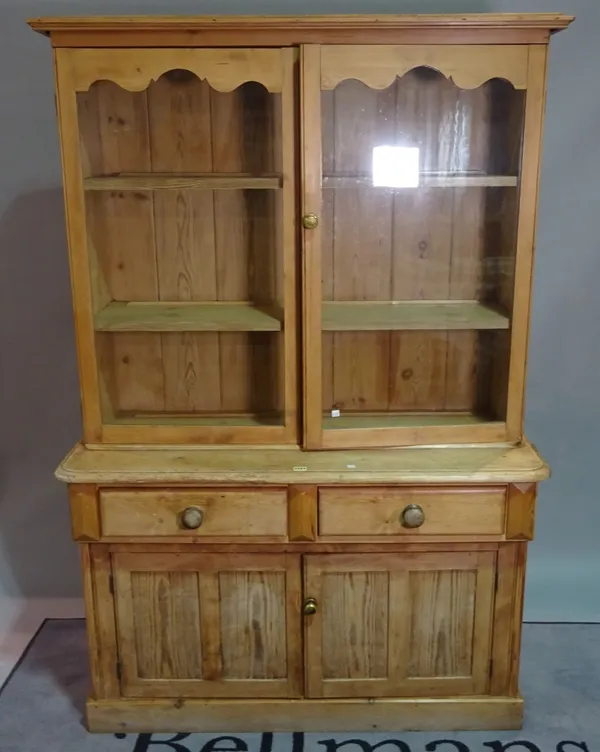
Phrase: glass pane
x=205 y=378
x=420 y=198
x=183 y=199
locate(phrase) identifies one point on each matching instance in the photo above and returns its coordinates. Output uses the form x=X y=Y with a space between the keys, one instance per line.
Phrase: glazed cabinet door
x=179 y=178
x=195 y=625
x=419 y=184
x=399 y=624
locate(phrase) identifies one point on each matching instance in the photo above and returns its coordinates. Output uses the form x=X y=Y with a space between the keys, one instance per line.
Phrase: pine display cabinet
x=301 y=253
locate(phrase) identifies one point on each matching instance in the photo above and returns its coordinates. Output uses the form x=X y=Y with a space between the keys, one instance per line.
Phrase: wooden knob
x=192 y=518
x=310 y=221
x=412 y=516
x=310 y=607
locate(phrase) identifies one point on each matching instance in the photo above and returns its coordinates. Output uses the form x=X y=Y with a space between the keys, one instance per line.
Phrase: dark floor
x=42 y=703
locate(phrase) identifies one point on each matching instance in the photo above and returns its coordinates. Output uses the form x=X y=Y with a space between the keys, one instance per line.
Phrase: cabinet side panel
x=508 y=614
x=90 y=622
x=528 y=204
x=104 y=624
x=78 y=251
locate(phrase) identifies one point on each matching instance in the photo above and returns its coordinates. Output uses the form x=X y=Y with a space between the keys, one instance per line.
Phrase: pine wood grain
x=173 y=182
x=426 y=180
x=359 y=599
x=170 y=546
x=103 y=615
x=385 y=714
x=302 y=513
x=163 y=625
x=311 y=203
x=508 y=615
x=556 y=21
x=444 y=602
x=130 y=365
x=134 y=70
x=520 y=512
x=401 y=315
x=368 y=512
x=185 y=248
x=226 y=513
x=443 y=245
x=79 y=261
x=179 y=116
x=91 y=629
x=378 y=66
x=190 y=317
x=440 y=645
x=361 y=245
x=255 y=599
x=167 y=636
x=242 y=31
x=531 y=162
x=85 y=522
x=191 y=465
x=286 y=144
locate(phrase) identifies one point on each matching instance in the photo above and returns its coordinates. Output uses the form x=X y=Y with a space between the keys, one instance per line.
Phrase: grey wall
x=39 y=410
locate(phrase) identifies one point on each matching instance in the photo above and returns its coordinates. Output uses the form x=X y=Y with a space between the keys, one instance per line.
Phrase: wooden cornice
x=118 y=31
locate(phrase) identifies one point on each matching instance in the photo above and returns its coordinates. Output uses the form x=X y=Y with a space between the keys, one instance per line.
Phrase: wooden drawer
x=368 y=512
x=239 y=514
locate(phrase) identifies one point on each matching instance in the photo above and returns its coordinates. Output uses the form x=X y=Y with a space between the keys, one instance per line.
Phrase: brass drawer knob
x=310 y=221
x=192 y=518
x=310 y=607
x=412 y=516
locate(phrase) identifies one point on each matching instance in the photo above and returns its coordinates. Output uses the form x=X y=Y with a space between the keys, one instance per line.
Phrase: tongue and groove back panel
x=426 y=243
x=430 y=243
x=185 y=245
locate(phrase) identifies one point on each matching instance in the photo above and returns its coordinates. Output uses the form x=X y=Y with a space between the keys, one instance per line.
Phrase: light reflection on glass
x=396 y=166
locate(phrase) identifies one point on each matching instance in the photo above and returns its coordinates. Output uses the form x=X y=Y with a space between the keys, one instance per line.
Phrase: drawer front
x=379 y=511
x=239 y=514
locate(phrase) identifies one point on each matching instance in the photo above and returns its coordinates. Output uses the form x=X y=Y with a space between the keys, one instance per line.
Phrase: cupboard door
x=195 y=625
x=182 y=235
x=413 y=181
x=399 y=624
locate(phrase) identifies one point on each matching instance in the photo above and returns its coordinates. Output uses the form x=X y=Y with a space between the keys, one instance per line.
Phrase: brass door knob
x=192 y=518
x=310 y=221
x=310 y=607
x=412 y=516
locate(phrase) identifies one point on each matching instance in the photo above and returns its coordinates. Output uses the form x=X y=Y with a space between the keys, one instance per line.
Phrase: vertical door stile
x=310 y=106
x=289 y=243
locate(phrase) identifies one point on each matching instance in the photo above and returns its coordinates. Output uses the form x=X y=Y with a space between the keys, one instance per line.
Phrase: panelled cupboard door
x=196 y=625
x=419 y=178
x=392 y=625
x=180 y=183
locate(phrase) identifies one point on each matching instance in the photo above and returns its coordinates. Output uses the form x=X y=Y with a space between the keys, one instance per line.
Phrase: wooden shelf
x=340 y=316
x=169 y=181
x=402 y=420
x=427 y=180
x=186 y=317
x=165 y=419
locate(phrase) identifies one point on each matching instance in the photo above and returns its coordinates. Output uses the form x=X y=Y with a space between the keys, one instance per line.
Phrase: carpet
x=42 y=703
